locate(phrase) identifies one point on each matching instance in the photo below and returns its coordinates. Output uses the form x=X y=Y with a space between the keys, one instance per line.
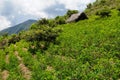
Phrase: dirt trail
x=18 y=57
x=25 y=71
x=5 y=75
x=7 y=59
x=25 y=49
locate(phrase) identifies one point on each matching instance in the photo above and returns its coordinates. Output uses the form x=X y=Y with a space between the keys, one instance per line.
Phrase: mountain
x=17 y=28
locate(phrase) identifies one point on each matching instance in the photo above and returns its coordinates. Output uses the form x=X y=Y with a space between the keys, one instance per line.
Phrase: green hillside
x=102 y=5
x=52 y=50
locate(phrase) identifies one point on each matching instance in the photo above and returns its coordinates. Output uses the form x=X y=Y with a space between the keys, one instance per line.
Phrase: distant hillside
x=16 y=29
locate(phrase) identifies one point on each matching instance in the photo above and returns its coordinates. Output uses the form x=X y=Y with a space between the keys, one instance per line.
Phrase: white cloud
x=17 y=11
x=33 y=7
x=4 y=23
x=75 y=4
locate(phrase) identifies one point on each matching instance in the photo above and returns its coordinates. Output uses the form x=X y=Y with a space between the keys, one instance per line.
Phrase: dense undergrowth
x=86 y=50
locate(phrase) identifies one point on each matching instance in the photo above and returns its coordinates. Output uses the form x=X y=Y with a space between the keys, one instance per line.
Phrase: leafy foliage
x=60 y=20
x=70 y=12
x=104 y=13
x=101 y=5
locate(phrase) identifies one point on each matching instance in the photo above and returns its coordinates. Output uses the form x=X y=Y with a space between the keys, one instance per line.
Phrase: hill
x=100 y=5
x=52 y=50
x=17 y=28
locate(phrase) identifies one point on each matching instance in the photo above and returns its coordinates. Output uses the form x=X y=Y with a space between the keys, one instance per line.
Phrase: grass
x=94 y=47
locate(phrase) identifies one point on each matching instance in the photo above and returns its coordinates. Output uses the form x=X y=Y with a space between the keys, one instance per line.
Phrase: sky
x=13 y=12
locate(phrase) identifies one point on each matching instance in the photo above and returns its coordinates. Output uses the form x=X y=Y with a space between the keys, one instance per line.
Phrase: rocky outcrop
x=76 y=17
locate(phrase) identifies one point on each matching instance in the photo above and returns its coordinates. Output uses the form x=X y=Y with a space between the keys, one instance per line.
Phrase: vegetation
x=53 y=50
x=70 y=12
x=101 y=5
x=104 y=13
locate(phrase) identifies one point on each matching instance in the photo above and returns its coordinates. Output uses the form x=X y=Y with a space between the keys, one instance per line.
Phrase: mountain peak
x=19 y=27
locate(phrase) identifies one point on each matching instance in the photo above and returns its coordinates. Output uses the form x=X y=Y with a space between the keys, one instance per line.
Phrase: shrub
x=60 y=20
x=118 y=8
x=118 y=13
x=43 y=21
x=3 y=43
x=41 y=37
x=89 y=6
x=103 y=1
x=52 y=23
x=33 y=26
x=103 y=13
x=14 y=38
x=5 y=35
x=70 y=12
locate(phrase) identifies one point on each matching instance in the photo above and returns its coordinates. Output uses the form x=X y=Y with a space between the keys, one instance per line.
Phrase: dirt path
x=18 y=57
x=5 y=75
x=25 y=71
x=7 y=59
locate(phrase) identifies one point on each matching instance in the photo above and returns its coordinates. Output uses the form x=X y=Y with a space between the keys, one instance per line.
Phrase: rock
x=77 y=17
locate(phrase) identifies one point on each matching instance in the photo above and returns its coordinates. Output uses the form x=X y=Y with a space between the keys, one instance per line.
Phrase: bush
x=118 y=13
x=3 y=43
x=70 y=12
x=33 y=26
x=52 y=23
x=89 y=6
x=41 y=36
x=103 y=13
x=60 y=20
x=43 y=21
x=14 y=38
x=5 y=35
x=118 y=8
x=103 y=1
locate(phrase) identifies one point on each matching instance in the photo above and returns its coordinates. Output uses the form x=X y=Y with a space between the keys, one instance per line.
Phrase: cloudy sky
x=13 y=12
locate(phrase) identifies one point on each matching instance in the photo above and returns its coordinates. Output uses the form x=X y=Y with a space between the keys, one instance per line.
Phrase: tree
x=70 y=12
x=89 y=6
x=60 y=20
